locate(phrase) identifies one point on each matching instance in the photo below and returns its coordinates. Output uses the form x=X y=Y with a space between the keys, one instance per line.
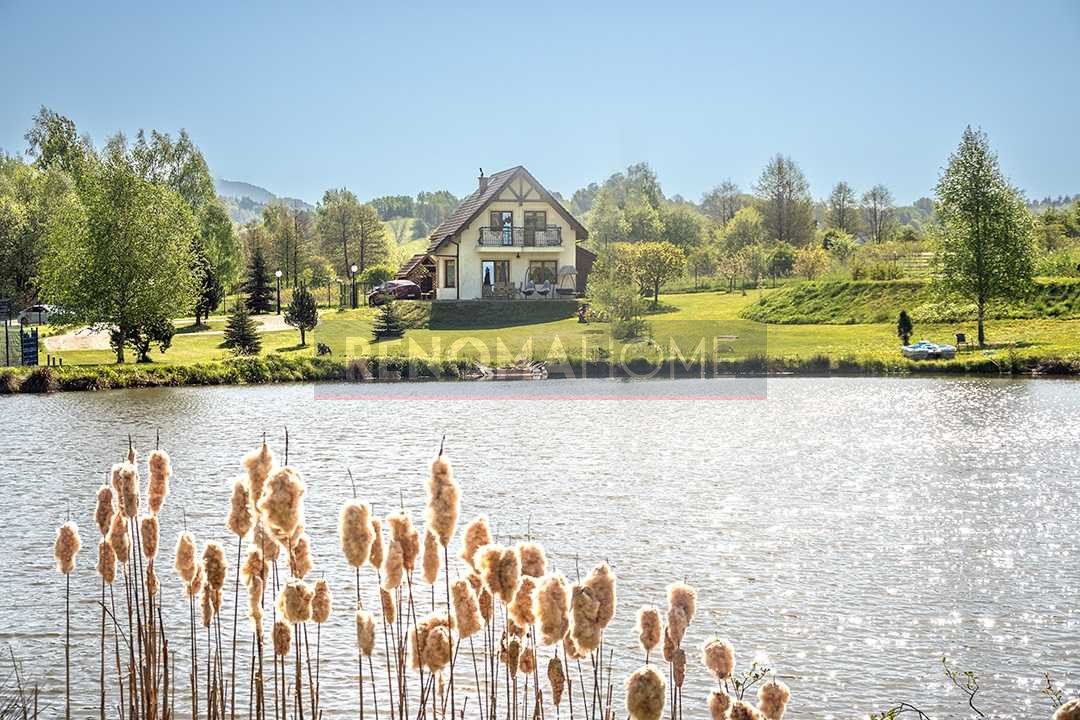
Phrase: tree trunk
x=982 y=313
x=303 y=341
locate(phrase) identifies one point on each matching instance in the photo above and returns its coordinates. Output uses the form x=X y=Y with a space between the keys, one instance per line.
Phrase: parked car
x=926 y=350
x=37 y=314
x=393 y=290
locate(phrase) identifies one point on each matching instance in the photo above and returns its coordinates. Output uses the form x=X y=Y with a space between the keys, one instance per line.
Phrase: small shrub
x=41 y=380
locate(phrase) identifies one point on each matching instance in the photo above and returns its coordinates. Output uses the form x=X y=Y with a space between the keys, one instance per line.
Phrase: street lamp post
x=277 y=274
x=354 y=269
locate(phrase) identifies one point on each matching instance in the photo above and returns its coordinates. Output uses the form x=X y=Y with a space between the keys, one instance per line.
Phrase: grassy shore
x=692 y=330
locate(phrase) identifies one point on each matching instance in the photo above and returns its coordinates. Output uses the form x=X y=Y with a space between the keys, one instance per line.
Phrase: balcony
x=521 y=237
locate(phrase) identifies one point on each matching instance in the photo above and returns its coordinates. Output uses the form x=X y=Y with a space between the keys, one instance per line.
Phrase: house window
x=534 y=220
x=449 y=273
x=495 y=272
x=541 y=271
x=503 y=220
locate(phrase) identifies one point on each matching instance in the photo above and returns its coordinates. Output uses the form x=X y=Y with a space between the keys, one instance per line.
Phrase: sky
x=394 y=98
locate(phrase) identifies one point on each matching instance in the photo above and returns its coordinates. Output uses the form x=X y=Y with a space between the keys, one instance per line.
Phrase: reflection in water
x=849 y=532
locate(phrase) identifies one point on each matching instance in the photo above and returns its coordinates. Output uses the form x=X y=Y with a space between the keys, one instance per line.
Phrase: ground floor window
x=449 y=273
x=495 y=272
x=541 y=271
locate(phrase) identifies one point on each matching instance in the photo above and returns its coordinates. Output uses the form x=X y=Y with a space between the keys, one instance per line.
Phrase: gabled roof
x=415 y=262
x=474 y=204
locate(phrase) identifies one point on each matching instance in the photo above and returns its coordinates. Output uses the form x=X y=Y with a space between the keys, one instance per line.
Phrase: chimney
x=483 y=181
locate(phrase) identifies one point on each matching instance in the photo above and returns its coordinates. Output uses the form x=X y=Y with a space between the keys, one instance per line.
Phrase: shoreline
x=275 y=370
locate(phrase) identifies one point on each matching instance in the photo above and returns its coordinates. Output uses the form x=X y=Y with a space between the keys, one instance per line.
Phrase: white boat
x=926 y=350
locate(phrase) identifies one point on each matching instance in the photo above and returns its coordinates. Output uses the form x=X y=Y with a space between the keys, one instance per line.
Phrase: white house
x=510 y=239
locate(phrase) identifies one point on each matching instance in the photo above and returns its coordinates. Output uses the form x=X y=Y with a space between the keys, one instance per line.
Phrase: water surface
x=848 y=532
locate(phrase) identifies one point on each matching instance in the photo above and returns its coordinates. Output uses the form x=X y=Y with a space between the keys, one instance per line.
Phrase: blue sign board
x=29 y=347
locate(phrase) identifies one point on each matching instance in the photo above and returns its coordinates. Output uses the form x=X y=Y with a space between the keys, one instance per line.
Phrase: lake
x=848 y=532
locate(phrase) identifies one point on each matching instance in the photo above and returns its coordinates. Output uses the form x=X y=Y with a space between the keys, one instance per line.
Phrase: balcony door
x=535 y=221
x=502 y=221
x=495 y=273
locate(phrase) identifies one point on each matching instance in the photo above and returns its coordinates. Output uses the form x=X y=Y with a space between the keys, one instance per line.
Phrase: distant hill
x=245 y=201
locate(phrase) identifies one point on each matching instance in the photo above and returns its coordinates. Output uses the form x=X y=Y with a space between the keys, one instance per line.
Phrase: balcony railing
x=551 y=236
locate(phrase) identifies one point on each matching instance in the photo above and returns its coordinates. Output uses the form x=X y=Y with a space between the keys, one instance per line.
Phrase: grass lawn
x=683 y=321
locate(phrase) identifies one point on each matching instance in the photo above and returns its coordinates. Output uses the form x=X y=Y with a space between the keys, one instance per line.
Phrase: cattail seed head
x=119 y=537
x=282 y=502
x=477 y=535
x=66 y=546
x=429 y=643
x=521 y=608
x=432 y=561
x=389 y=607
x=185 y=557
x=321 y=602
x=294 y=601
x=355 y=532
x=240 y=518
x=104 y=511
x=743 y=710
x=393 y=566
x=648 y=628
x=483 y=597
x=106 y=564
x=258 y=464
x=719 y=704
x=466 y=608
x=669 y=646
x=365 y=632
x=601 y=581
x=682 y=603
x=510 y=653
x=206 y=605
x=255 y=611
x=378 y=549
x=573 y=652
x=151 y=580
x=773 y=698
x=645 y=694
x=301 y=556
x=1068 y=711
x=407 y=536
x=678 y=666
x=254 y=566
x=158 y=487
x=557 y=679
x=500 y=569
x=197 y=581
x=282 y=638
x=533 y=559
x=444 y=499
x=126 y=483
x=527 y=661
x=215 y=565
x=584 y=624
x=265 y=542
x=718 y=656
x=553 y=608
x=148 y=531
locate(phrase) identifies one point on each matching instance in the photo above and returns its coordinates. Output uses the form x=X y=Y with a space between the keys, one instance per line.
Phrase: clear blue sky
x=396 y=97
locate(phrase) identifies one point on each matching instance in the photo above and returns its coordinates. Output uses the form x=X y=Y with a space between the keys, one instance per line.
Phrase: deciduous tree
x=655 y=263
x=843 y=211
x=784 y=198
x=722 y=202
x=878 y=213
x=302 y=313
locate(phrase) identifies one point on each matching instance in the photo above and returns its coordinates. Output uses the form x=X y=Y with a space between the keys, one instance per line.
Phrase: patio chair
x=544 y=289
x=528 y=289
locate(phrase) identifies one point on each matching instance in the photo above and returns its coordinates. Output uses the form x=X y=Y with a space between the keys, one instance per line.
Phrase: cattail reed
x=258 y=464
x=553 y=609
x=151 y=580
x=185 y=557
x=557 y=679
x=432 y=562
x=392 y=567
x=355 y=532
x=365 y=632
x=773 y=698
x=742 y=710
x=148 y=531
x=282 y=636
x=718 y=657
x=157 y=488
x=500 y=569
x=126 y=483
x=719 y=704
x=444 y=499
x=584 y=619
x=294 y=601
x=682 y=603
x=645 y=693
x=282 y=502
x=119 y=538
x=483 y=597
x=255 y=611
x=301 y=556
x=406 y=536
x=533 y=559
x=106 y=563
x=215 y=565
x=527 y=661
x=378 y=549
x=321 y=602
x=263 y=540
x=601 y=581
x=389 y=607
x=104 y=510
x=678 y=666
x=648 y=629
x=254 y=566
x=521 y=609
x=477 y=535
x=429 y=643
x=467 y=617
x=240 y=518
x=65 y=548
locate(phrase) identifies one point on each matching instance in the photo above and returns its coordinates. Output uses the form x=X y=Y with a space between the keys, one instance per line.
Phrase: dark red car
x=393 y=290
